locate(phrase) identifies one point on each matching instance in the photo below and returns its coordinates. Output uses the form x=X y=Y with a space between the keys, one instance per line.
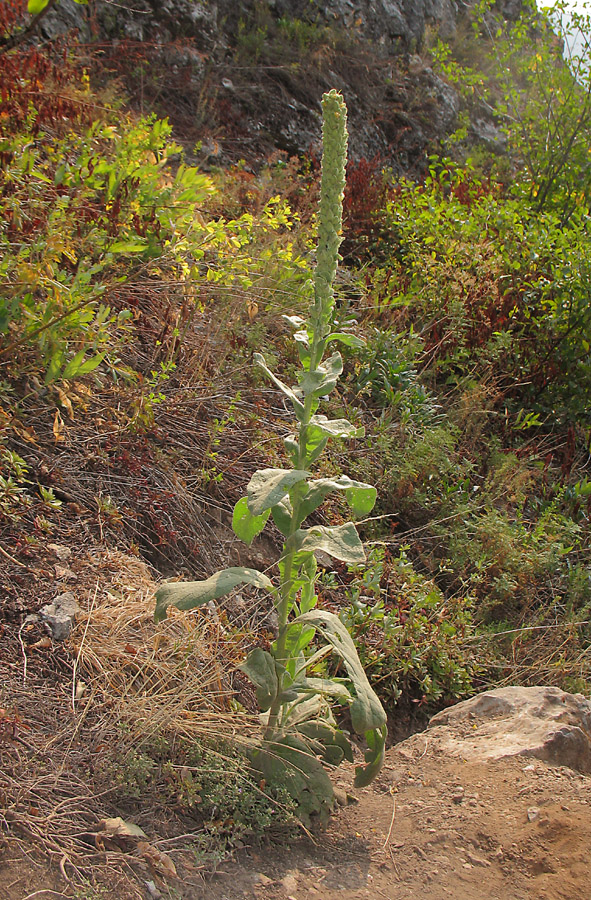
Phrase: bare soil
x=429 y=827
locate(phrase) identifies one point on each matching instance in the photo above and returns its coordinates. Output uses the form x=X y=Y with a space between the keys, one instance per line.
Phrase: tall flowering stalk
x=299 y=730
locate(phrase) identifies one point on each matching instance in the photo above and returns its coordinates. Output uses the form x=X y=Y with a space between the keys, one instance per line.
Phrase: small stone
x=290 y=882
x=533 y=813
x=60 y=551
x=60 y=615
x=477 y=860
x=263 y=879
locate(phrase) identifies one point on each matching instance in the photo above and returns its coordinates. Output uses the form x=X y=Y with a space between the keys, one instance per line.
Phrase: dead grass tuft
x=171 y=677
x=127 y=681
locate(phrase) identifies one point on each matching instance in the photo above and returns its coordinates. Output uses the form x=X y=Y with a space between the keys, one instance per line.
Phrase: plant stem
x=334 y=157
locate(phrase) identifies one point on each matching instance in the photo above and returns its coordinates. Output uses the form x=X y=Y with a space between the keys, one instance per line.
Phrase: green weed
x=300 y=731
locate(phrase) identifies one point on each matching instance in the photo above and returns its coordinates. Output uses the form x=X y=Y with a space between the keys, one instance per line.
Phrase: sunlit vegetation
x=137 y=287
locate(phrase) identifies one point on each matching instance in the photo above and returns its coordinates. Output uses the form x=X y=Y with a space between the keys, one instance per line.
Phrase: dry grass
x=120 y=681
x=172 y=676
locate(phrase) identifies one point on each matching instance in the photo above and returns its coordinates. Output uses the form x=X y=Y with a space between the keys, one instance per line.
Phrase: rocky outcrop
x=539 y=722
x=219 y=70
x=382 y=22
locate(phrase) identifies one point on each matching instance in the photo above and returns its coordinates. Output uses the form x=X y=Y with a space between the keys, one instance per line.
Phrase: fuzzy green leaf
x=323 y=379
x=374 y=756
x=289 y=392
x=367 y=713
x=316 y=441
x=294 y=321
x=348 y=340
x=331 y=743
x=245 y=525
x=282 y=516
x=268 y=486
x=260 y=668
x=298 y=638
x=292 y=447
x=360 y=496
x=340 y=541
x=328 y=687
x=340 y=428
x=191 y=594
x=288 y=764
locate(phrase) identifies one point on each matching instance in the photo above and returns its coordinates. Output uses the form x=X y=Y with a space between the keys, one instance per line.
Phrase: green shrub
x=413 y=642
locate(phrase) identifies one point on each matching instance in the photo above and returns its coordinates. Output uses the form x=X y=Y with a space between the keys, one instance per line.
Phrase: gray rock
x=488 y=133
x=395 y=113
x=59 y=616
x=541 y=722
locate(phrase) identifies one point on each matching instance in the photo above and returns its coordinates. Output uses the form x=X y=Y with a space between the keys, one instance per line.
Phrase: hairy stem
x=334 y=158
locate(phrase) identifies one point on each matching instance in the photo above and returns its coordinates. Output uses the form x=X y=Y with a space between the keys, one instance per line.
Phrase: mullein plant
x=300 y=737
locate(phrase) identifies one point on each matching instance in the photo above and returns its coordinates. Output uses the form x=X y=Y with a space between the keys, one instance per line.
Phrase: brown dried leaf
x=58 y=427
x=118 y=827
x=65 y=402
x=159 y=860
x=43 y=643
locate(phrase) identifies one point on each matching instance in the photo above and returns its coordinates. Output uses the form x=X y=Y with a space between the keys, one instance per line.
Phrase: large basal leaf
x=260 y=668
x=245 y=525
x=361 y=497
x=191 y=594
x=367 y=713
x=323 y=379
x=331 y=744
x=268 y=486
x=340 y=541
x=374 y=756
x=288 y=764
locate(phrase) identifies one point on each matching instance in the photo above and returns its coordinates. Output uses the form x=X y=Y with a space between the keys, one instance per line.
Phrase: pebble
x=290 y=882
x=458 y=795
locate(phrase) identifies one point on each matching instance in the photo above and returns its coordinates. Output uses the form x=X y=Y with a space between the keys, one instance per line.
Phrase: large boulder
x=541 y=722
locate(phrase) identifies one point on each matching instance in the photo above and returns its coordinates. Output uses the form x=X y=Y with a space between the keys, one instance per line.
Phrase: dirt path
x=432 y=828
x=429 y=828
